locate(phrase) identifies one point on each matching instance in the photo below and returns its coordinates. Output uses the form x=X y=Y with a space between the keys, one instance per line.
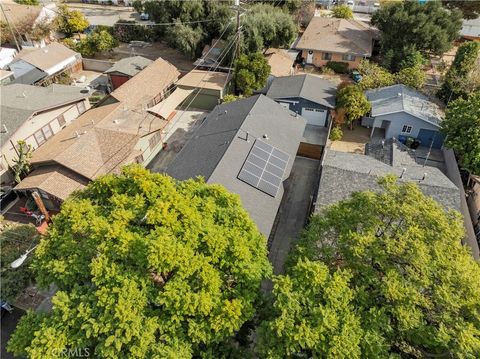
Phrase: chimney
x=403 y=172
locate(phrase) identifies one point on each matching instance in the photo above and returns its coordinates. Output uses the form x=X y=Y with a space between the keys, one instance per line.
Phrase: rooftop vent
x=403 y=172
x=77 y=135
x=116 y=121
x=4 y=129
x=399 y=94
x=265 y=136
x=424 y=176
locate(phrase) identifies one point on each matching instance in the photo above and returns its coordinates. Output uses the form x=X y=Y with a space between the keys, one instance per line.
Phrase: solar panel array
x=264 y=168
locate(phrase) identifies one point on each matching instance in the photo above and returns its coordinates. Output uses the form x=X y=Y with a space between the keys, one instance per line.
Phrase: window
x=42 y=135
x=154 y=140
x=348 y=57
x=81 y=107
x=326 y=56
x=406 y=129
x=61 y=120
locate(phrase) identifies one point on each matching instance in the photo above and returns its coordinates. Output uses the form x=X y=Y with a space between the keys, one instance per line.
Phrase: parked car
x=350 y=4
x=144 y=16
x=356 y=76
x=7 y=197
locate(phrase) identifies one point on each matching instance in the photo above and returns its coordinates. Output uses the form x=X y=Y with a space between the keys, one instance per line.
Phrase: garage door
x=427 y=136
x=314 y=116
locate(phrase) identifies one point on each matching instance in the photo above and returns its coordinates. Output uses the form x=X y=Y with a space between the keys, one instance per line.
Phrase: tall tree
x=462 y=128
x=21 y=164
x=251 y=73
x=184 y=38
x=470 y=9
x=399 y=284
x=146 y=267
x=70 y=21
x=267 y=26
x=352 y=103
x=462 y=77
x=409 y=26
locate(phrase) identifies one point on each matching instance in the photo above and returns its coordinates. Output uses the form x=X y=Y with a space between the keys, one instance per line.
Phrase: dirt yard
x=353 y=141
x=156 y=50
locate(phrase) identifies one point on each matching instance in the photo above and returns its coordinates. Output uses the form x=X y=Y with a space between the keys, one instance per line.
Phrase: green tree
x=21 y=164
x=469 y=9
x=184 y=38
x=14 y=241
x=400 y=283
x=230 y=98
x=267 y=26
x=98 y=41
x=336 y=134
x=70 y=21
x=411 y=76
x=27 y=2
x=353 y=103
x=462 y=76
x=374 y=76
x=251 y=73
x=409 y=26
x=342 y=12
x=312 y=315
x=146 y=267
x=462 y=128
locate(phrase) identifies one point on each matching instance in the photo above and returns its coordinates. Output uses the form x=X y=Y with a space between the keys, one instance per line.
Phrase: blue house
x=403 y=112
x=307 y=95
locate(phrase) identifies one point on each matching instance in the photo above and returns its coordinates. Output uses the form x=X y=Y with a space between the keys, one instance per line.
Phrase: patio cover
x=167 y=106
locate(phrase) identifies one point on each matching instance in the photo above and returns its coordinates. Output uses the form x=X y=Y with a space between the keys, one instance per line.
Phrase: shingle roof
x=103 y=139
x=345 y=173
x=306 y=86
x=205 y=79
x=337 y=35
x=46 y=57
x=218 y=149
x=19 y=102
x=400 y=98
x=130 y=66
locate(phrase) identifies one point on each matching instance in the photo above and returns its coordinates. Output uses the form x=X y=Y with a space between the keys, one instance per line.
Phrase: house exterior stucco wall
x=318 y=61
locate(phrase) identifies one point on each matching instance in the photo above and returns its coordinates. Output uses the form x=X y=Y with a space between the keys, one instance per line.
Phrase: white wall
x=26 y=131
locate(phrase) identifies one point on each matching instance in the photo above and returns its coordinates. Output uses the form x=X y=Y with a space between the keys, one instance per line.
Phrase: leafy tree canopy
x=14 y=241
x=184 y=38
x=409 y=26
x=98 y=41
x=463 y=76
x=70 y=21
x=21 y=164
x=412 y=77
x=399 y=283
x=470 y=9
x=267 y=26
x=342 y=12
x=374 y=76
x=462 y=128
x=27 y=2
x=146 y=267
x=352 y=102
x=251 y=72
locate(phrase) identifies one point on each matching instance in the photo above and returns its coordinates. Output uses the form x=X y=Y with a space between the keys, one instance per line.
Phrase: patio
x=353 y=141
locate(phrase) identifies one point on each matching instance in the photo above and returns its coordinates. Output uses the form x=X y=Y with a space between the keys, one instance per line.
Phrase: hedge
x=338 y=66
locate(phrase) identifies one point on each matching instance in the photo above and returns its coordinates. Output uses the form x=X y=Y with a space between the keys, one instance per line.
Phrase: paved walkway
x=293 y=211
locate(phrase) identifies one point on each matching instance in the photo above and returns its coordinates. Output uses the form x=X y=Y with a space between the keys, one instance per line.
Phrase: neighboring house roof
x=16 y=12
x=346 y=173
x=5 y=74
x=104 y=138
x=56 y=180
x=306 y=86
x=219 y=148
x=337 y=35
x=280 y=63
x=471 y=28
x=205 y=79
x=47 y=57
x=149 y=82
x=30 y=77
x=130 y=66
x=211 y=53
x=19 y=102
x=400 y=98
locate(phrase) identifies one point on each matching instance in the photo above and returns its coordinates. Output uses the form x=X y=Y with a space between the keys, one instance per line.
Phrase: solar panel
x=264 y=168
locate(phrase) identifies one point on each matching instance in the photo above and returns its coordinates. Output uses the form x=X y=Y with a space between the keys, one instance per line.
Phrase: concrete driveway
x=176 y=134
x=294 y=210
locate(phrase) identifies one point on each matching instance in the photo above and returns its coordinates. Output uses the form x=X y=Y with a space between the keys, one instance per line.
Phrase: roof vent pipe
x=403 y=172
x=93 y=121
x=424 y=176
x=265 y=136
x=4 y=129
x=77 y=135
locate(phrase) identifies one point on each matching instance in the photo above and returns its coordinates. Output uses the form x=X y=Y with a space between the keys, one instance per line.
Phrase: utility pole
x=9 y=27
x=237 y=45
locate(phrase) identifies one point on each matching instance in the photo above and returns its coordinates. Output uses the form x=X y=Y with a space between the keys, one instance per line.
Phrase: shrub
x=336 y=133
x=327 y=71
x=411 y=76
x=338 y=66
x=342 y=12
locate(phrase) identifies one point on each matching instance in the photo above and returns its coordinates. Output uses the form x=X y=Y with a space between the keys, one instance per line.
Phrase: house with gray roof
x=345 y=173
x=249 y=147
x=404 y=112
x=125 y=69
x=34 y=114
x=307 y=95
